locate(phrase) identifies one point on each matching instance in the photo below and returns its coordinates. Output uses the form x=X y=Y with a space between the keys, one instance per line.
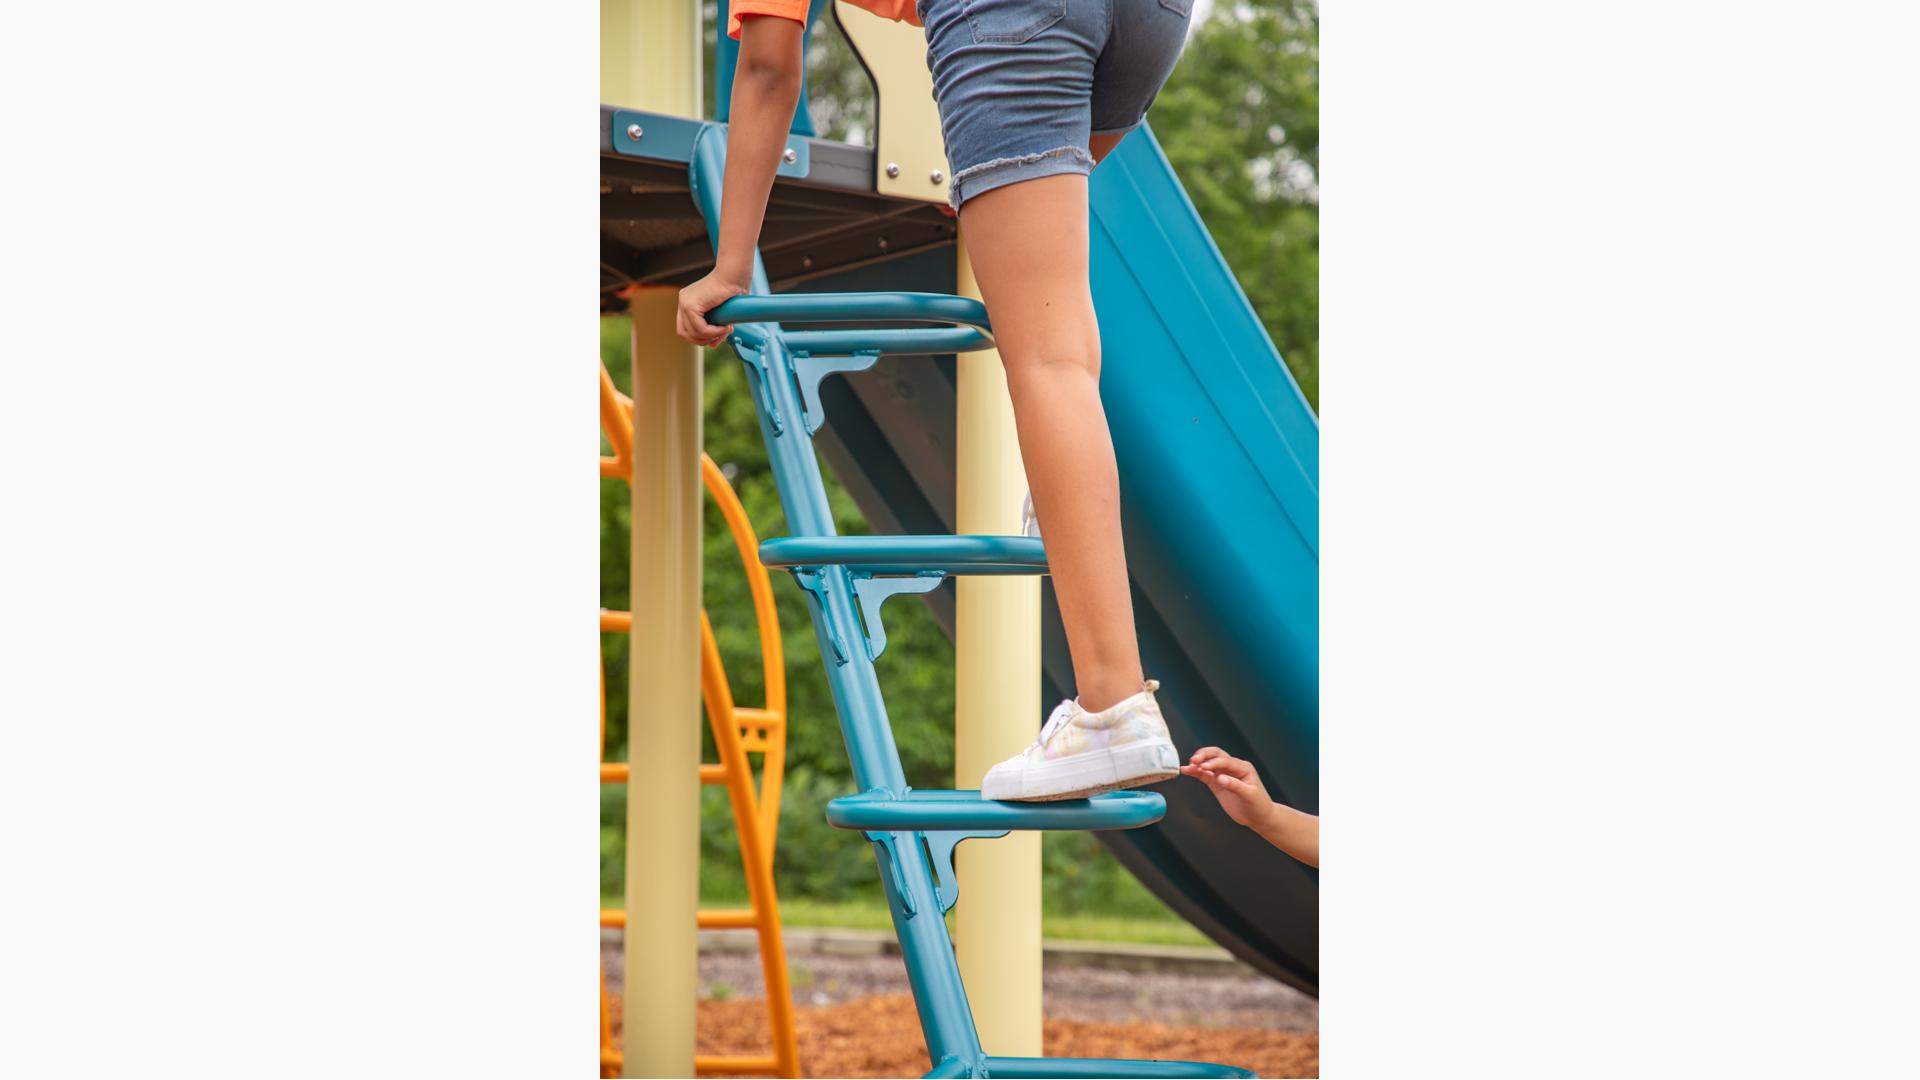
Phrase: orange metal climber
x=738 y=731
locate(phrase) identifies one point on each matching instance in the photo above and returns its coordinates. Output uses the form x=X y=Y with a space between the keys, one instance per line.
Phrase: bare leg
x=1028 y=242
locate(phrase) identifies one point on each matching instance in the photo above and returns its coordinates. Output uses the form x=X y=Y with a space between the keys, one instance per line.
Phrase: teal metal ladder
x=846 y=580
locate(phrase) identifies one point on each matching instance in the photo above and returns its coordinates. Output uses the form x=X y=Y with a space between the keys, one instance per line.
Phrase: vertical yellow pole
x=650 y=59
x=996 y=713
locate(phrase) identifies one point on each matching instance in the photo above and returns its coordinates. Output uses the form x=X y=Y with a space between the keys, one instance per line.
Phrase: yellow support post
x=650 y=59
x=996 y=713
x=663 y=698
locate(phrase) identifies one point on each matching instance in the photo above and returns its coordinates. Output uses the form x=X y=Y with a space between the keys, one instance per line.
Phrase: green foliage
x=1240 y=121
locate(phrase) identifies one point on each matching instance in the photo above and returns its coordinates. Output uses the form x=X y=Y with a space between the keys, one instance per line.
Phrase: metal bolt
x=893 y=169
x=789 y=157
x=937 y=176
x=634 y=132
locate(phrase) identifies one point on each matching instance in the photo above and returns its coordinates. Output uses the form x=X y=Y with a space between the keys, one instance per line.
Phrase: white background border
x=1619 y=589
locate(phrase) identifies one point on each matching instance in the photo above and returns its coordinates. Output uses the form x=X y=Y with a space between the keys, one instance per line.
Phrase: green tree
x=1240 y=121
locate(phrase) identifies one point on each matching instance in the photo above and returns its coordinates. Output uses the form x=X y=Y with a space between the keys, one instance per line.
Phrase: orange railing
x=738 y=730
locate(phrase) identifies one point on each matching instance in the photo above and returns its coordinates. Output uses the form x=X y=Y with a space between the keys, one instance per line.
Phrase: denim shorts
x=1022 y=84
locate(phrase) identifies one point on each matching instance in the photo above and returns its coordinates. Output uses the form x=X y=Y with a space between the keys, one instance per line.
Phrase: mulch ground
x=880 y=1036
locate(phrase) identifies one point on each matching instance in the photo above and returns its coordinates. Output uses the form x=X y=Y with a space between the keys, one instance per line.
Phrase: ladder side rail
x=906 y=871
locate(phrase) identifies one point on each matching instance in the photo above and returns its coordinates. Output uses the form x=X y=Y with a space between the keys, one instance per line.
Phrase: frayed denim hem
x=984 y=177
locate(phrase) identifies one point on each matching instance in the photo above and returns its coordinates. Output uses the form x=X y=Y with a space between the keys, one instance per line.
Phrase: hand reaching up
x=1233 y=782
x=1246 y=801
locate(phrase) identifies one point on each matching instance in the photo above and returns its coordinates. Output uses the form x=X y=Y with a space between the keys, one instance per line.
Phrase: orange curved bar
x=773 y=664
x=737 y=731
x=616 y=421
x=756 y=853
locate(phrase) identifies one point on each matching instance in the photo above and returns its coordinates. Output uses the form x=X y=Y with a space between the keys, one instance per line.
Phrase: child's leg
x=1028 y=243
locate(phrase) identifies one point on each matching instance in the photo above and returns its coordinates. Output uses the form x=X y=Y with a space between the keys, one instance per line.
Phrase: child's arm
x=766 y=86
x=1246 y=801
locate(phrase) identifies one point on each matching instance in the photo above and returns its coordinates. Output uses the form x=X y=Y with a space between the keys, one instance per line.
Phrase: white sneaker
x=1079 y=753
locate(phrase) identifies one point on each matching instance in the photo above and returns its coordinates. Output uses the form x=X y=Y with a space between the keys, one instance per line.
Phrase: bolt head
x=790 y=157
x=937 y=176
x=893 y=169
x=634 y=132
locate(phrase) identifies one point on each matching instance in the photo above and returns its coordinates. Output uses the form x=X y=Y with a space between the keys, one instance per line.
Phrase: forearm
x=1293 y=832
x=766 y=86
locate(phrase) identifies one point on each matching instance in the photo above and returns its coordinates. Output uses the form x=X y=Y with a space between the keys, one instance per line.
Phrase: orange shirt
x=898 y=10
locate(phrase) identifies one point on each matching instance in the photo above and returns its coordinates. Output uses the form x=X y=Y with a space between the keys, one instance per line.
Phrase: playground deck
x=826 y=222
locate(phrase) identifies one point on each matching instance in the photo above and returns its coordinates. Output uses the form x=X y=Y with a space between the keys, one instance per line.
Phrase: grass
x=816 y=914
x=1120 y=928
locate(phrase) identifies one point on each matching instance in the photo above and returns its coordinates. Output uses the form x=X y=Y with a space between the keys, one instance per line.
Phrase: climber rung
x=937 y=811
x=928 y=341
x=1050 y=1068
x=759 y=719
x=716 y=919
x=870 y=307
x=910 y=554
x=728 y=919
x=718 y=1064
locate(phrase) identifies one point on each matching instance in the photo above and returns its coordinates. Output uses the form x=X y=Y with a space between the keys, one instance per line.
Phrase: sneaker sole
x=1085 y=775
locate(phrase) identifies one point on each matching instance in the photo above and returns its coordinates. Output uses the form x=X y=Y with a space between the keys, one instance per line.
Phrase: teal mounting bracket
x=873 y=592
x=670 y=138
x=940 y=847
x=884 y=843
x=809 y=370
x=813 y=579
x=751 y=347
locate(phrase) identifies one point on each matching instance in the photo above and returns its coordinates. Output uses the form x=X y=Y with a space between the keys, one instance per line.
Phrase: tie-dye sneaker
x=1080 y=753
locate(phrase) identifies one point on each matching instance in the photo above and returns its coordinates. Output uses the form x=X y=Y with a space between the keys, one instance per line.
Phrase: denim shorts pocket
x=1182 y=8
x=1013 y=21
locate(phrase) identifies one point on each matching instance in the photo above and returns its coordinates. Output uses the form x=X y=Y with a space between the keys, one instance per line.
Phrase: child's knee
x=1065 y=359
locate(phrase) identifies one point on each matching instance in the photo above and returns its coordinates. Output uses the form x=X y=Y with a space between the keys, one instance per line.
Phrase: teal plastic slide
x=1219 y=471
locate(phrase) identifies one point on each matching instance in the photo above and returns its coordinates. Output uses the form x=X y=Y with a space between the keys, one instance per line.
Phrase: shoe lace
x=1061 y=715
